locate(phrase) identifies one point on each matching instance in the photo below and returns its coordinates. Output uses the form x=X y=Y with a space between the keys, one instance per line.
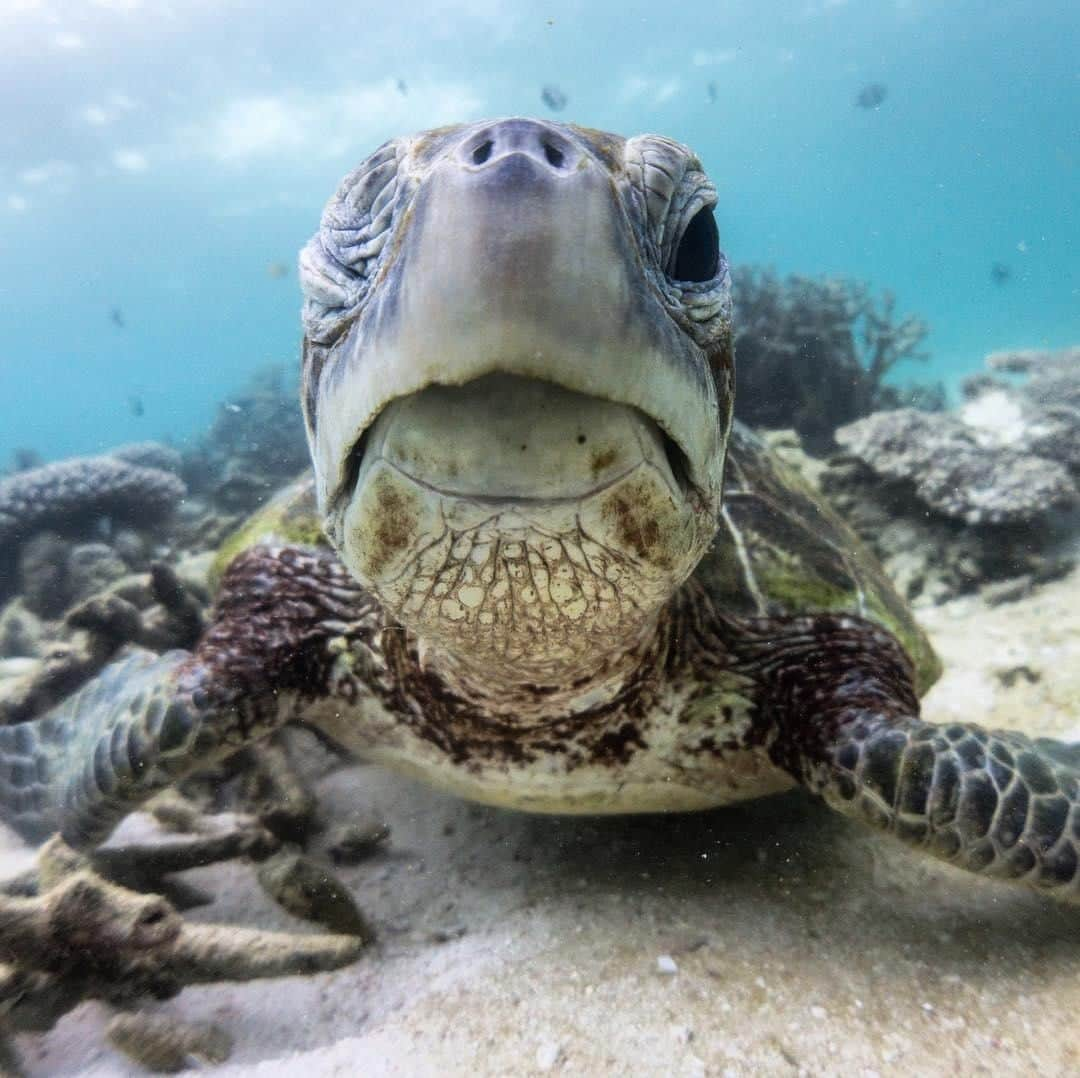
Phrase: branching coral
x=255 y=445
x=83 y=937
x=813 y=354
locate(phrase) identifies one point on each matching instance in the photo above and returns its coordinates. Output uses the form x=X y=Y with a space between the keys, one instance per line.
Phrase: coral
x=41 y=570
x=171 y=617
x=149 y=455
x=72 y=493
x=1048 y=399
x=63 y=668
x=928 y=557
x=82 y=937
x=76 y=499
x=954 y=502
x=21 y=632
x=309 y=890
x=953 y=474
x=165 y=1045
x=255 y=445
x=274 y=790
x=92 y=567
x=813 y=354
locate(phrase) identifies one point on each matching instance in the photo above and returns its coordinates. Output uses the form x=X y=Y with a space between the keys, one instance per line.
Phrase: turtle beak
x=516 y=257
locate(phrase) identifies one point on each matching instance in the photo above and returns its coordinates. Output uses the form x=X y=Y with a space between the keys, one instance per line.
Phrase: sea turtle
x=517 y=385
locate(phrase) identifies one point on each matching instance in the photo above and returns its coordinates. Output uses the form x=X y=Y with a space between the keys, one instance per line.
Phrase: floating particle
x=553 y=97
x=871 y=95
x=1000 y=273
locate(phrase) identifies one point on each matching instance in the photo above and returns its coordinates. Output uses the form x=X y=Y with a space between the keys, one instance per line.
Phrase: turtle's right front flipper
x=149 y=720
x=839 y=713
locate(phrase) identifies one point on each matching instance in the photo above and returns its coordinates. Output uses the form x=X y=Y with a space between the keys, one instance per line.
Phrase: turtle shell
x=781 y=550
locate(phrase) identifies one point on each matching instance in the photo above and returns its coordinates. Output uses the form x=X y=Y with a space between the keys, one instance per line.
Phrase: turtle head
x=518 y=381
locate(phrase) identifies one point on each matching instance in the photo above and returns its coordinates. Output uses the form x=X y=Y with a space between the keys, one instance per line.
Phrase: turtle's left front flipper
x=148 y=721
x=839 y=713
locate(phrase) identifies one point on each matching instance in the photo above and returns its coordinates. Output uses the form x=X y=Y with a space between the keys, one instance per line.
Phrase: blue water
x=158 y=158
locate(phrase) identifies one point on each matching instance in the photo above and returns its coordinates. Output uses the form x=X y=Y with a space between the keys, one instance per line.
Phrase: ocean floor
x=769 y=938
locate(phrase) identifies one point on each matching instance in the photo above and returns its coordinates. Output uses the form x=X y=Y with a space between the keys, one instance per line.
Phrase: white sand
x=802 y=944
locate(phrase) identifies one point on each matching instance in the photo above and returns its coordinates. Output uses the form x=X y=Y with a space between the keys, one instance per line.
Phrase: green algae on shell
x=782 y=550
x=291 y=517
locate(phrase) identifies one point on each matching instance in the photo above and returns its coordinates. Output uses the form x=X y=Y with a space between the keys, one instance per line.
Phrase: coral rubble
x=79 y=936
x=984 y=496
x=952 y=472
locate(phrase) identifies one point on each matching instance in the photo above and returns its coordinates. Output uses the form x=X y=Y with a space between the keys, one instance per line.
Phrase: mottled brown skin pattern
x=834 y=707
x=840 y=714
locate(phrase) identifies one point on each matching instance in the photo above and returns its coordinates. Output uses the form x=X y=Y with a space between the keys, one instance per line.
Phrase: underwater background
x=161 y=164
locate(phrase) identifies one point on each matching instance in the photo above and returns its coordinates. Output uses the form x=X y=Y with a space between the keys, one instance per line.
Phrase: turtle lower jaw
x=534 y=589
x=638 y=522
x=514 y=520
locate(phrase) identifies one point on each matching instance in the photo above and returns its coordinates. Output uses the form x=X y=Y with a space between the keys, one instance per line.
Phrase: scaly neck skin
x=542 y=688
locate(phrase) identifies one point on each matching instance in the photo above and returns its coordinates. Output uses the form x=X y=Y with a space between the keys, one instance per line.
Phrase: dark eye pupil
x=698 y=256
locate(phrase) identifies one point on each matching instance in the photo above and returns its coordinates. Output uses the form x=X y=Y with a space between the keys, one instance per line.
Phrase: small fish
x=713 y=93
x=116 y=316
x=402 y=88
x=25 y=459
x=277 y=270
x=871 y=95
x=136 y=406
x=553 y=97
x=1000 y=273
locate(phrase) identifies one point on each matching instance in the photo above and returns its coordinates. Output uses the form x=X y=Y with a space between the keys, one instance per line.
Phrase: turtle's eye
x=697 y=258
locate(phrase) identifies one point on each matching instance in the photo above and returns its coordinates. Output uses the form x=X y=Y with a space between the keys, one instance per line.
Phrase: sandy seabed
x=767 y=938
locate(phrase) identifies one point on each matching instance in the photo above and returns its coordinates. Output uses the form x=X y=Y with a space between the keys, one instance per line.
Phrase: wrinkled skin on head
x=518 y=384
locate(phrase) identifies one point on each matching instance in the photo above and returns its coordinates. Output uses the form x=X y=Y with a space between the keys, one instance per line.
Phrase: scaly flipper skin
x=147 y=721
x=839 y=713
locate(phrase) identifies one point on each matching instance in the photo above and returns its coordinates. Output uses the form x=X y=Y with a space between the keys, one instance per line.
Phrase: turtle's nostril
x=507 y=140
x=555 y=157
